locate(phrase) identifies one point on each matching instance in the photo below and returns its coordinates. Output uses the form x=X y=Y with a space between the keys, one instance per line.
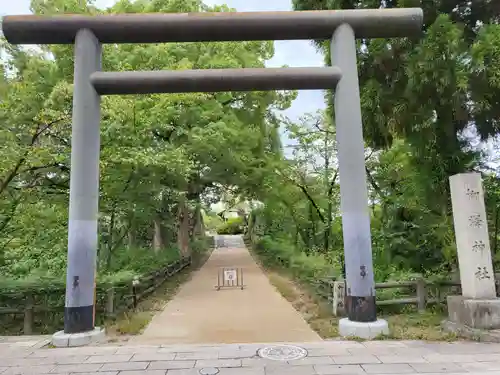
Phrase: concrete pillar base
x=68 y=340
x=474 y=313
x=368 y=331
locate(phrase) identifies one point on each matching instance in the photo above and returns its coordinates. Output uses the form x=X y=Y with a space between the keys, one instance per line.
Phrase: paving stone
x=83 y=367
x=66 y=360
x=124 y=366
x=21 y=343
x=235 y=354
x=212 y=354
x=332 y=350
x=149 y=357
x=260 y=362
x=31 y=370
x=185 y=371
x=414 y=357
x=487 y=357
x=467 y=348
x=391 y=351
x=218 y=363
x=25 y=362
x=339 y=369
x=79 y=351
x=9 y=352
x=346 y=344
x=388 y=368
x=437 y=367
x=193 y=348
x=384 y=344
x=355 y=360
x=287 y=370
x=449 y=358
x=171 y=365
x=142 y=372
x=137 y=349
x=480 y=366
x=401 y=359
x=241 y=371
x=109 y=358
x=312 y=361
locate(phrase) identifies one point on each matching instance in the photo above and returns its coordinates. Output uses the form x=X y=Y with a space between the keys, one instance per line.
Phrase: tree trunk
x=495 y=238
x=183 y=229
x=109 y=248
x=328 y=227
x=131 y=235
x=158 y=238
x=198 y=230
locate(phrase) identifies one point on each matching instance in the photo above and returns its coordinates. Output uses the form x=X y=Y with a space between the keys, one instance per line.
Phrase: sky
x=292 y=53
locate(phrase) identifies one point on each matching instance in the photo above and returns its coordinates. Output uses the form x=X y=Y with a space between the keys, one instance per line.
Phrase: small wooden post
x=110 y=301
x=135 y=283
x=421 y=293
x=28 y=315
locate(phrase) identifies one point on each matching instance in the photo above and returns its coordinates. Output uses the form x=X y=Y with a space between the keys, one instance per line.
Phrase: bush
x=141 y=260
x=212 y=222
x=202 y=244
x=233 y=225
x=306 y=267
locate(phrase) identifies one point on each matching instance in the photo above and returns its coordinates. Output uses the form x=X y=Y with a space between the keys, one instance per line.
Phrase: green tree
x=161 y=155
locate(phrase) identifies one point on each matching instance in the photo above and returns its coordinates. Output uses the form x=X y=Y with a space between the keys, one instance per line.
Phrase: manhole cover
x=282 y=352
x=209 y=371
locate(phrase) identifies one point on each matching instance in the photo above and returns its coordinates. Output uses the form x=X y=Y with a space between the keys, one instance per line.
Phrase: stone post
x=478 y=306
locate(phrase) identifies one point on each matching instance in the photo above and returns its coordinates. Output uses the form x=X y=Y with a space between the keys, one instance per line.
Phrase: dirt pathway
x=200 y=314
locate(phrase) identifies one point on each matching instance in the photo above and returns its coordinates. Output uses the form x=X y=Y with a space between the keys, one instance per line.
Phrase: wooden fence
x=111 y=298
x=418 y=292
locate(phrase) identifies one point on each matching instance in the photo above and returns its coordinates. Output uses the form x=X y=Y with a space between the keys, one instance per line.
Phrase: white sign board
x=229 y=276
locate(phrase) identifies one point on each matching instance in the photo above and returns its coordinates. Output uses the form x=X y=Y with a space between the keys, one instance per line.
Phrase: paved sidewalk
x=200 y=314
x=324 y=358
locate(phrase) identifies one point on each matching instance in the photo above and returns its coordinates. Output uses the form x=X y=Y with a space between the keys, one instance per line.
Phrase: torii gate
x=88 y=32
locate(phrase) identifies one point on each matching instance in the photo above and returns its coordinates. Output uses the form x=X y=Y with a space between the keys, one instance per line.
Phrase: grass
x=408 y=325
x=134 y=322
x=316 y=313
x=419 y=326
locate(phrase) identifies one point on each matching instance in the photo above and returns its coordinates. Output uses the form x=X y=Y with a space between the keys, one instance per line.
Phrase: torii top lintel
x=224 y=26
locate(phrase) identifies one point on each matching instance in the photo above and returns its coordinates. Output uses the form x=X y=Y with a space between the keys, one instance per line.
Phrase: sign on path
x=229 y=278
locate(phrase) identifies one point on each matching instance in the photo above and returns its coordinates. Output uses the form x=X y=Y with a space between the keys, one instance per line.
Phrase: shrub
x=141 y=260
x=306 y=267
x=233 y=225
x=202 y=244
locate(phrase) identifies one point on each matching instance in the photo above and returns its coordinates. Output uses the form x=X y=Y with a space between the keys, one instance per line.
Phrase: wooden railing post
x=28 y=315
x=110 y=301
x=421 y=293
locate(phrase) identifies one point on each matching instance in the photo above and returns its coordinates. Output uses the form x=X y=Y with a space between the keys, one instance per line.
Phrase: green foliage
x=423 y=101
x=141 y=260
x=308 y=268
x=233 y=225
x=160 y=156
x=212 y=221
x=201 y=245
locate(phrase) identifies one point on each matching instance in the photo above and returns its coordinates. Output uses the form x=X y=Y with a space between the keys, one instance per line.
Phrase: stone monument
x=478 y=307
